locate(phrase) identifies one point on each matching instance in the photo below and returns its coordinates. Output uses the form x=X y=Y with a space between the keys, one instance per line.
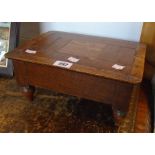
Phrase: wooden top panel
x=97 y=54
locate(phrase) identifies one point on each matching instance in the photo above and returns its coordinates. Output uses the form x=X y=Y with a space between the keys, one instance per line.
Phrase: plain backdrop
x=121 y=30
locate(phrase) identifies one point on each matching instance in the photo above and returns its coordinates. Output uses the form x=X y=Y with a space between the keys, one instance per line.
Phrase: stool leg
x=118 y=115
x=28 y=92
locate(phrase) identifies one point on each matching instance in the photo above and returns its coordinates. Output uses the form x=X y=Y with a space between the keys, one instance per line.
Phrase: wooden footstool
x=95 y=68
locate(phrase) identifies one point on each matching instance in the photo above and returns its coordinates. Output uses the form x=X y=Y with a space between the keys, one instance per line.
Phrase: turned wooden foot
x=118 y=116
x=28 y=92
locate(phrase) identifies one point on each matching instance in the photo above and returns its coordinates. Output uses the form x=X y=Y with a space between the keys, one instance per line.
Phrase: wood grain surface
x=97 y=54
x=92 y=77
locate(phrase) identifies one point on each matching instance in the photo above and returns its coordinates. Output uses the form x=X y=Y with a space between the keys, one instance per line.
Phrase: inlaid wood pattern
x=97 y=54
x=92 y=77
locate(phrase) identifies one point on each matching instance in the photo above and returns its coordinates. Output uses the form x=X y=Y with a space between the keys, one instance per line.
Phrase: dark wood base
x=28 y=92
x=95 y=88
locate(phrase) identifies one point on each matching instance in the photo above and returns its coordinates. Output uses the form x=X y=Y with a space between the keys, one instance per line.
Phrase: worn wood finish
x=74 y=83
x=97 y=58
x=92 y=77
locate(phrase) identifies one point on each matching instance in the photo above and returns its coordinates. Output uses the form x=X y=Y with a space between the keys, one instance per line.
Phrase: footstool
x=96 y=68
